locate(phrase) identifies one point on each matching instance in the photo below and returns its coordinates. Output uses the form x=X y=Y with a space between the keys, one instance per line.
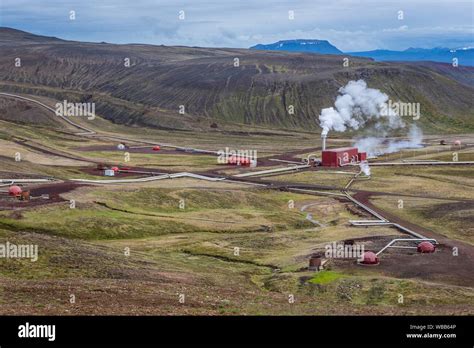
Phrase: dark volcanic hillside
x=212 y=89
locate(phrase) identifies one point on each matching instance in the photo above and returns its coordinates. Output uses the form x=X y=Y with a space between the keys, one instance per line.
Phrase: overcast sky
x=350 y=25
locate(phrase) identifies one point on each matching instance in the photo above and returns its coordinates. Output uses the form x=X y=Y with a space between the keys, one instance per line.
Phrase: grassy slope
x=171 y=256
x=149 y=281
x=152 y=212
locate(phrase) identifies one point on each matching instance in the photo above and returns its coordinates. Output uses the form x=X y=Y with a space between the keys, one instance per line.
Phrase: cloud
x=400 y=28
x=351 y=25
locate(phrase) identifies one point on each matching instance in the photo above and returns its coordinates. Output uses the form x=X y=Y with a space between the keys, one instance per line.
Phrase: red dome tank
x=232 y=160
x=156 y=148
x=244 y=161
x=15 y=191
x=369 y=258
x=425 y=247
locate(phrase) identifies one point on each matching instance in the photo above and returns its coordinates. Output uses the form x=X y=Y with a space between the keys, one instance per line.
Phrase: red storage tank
x=15 y=191
x=115 y=169
x=237 y=160
x=244 y=161
x=369 y=258
x=425 y=247
x=339 y=157
x=156 y=148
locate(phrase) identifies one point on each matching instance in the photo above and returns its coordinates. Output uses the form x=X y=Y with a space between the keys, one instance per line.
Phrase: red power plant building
x=342 y=156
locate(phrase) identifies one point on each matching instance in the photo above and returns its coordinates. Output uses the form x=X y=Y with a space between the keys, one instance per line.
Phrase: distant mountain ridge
x=465 y=55
x=312 y=46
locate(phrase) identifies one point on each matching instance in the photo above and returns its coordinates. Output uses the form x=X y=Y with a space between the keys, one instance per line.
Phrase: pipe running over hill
x=152 y=178
x=87 y=131
x=24 y=181
x=271 y=171
x=390 y=245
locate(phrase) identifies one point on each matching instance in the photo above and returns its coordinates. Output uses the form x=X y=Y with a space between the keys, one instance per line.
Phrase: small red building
x=340 y=157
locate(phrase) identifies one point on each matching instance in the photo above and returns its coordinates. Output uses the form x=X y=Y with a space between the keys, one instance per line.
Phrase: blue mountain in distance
x=464 y=55
x=310 y=46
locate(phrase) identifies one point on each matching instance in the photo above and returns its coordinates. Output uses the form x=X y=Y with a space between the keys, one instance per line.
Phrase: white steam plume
x=358 y=106
x=376 y=146
x=364 y=167
x=355 y=106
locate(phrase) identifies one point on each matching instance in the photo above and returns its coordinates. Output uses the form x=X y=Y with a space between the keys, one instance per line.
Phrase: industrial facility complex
x=176 y=208
x=18 y=193
x=250 y=172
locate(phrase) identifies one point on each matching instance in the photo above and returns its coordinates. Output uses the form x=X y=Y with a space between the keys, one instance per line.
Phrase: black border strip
x=331 y=330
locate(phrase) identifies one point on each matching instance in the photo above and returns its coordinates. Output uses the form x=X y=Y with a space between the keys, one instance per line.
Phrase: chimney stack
x=323 y=138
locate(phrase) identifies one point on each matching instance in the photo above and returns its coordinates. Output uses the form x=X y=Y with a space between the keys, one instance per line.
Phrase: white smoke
x=357 y=107
x=375 y=146
x=364 y=167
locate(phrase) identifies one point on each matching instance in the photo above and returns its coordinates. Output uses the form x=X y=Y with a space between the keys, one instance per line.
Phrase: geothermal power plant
x=232 y=207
